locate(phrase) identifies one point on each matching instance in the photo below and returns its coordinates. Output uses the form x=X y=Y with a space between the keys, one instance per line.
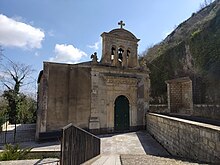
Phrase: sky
x=68 y=31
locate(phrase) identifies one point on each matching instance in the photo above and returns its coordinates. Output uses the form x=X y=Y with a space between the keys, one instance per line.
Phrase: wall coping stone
x=207 y=105
x=158 y=105
x=209 y=126
x=179 y=80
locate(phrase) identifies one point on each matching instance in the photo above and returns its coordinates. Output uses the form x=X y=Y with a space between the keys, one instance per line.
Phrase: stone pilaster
x=94 y=117
x=124 y=61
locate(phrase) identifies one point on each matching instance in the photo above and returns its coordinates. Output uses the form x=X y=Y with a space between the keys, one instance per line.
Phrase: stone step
x=108 y=160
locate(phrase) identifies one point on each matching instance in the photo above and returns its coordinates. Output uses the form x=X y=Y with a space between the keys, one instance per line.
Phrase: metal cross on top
x=121 y=23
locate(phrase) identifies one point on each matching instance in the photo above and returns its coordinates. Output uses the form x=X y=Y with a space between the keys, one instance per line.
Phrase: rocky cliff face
x=192 y=49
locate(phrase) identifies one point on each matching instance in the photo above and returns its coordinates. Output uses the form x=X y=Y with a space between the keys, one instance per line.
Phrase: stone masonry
x=85 y=94
x=179 y=93
x=184 y=138
x=180 y=101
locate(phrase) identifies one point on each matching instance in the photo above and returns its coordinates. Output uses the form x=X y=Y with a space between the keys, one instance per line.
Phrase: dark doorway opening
x=121 y=122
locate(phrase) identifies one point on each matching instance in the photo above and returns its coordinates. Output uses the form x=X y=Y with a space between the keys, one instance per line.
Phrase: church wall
x=39 y=107
x=68 y=96
x=79 y=96
x=112 y=83
x=113 y=91
x=57 y=96
x=84 y=94
x=42 y=99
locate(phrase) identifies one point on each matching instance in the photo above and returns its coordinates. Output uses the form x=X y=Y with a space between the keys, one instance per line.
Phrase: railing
x=78 y=145
x=24 y=133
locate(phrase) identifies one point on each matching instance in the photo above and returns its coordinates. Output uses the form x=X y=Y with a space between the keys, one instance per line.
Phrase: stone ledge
x=206 y=105
x=217 y=128
x=158 y=105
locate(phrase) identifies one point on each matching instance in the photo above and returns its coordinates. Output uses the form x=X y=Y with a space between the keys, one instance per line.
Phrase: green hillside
x=192 y=49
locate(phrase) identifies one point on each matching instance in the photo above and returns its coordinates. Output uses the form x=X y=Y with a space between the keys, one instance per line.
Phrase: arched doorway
x=121 y=122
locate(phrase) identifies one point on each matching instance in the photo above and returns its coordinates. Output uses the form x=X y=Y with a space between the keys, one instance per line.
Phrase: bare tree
x=14 y=75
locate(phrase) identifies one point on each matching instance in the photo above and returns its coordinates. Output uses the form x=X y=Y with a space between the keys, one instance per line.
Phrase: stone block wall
x=175 y=97
x=187 y=98
x=207 y=111
x=187 y=139
x=179 y=93
x=159 y=108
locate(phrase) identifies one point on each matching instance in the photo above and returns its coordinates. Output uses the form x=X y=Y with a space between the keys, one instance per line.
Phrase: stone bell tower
x=119 y=48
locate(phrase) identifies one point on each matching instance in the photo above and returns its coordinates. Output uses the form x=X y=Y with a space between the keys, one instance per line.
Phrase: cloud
x=67 y=53
x=18 y=34
x=51 y=33
x=36 y=54
x=18 y=18
x=96 y=45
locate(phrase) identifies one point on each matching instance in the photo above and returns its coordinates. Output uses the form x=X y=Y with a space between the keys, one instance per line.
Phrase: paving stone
x=131 y=143
x=134 y=148
x=152 y=160
x=47 y=161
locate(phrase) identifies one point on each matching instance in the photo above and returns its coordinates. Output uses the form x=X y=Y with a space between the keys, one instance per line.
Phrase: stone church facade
x=107 y=96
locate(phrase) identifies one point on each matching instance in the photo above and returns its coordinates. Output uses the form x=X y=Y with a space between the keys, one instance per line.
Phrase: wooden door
x=121 y=122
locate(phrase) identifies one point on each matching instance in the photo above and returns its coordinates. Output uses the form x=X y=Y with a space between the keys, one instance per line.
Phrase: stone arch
x=113 y=52
x=128 y=52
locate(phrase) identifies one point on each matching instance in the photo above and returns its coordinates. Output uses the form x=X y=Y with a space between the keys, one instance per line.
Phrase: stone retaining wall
x=159 y=108
x=185 y=138
x=207 y=111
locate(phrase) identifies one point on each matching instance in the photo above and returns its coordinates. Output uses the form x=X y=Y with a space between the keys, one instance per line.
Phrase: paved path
x=47 y=161
x=152 y=160
x=133 y=149
x=131 y=143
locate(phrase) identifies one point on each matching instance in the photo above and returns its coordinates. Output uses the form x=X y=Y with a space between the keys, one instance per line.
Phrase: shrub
x=13 y=152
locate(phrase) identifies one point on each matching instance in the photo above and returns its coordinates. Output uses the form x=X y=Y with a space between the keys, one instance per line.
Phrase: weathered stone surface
x=180 y=95
x=133 y=143
x=207 y=111
x=152 y=160
x=186 y=138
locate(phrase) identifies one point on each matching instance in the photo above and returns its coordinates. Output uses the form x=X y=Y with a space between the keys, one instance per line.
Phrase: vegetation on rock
x=192 y=49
